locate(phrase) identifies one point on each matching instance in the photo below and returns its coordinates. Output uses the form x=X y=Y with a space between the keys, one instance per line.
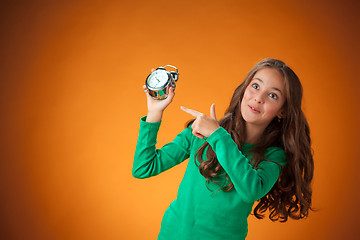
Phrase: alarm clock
x=158 y=81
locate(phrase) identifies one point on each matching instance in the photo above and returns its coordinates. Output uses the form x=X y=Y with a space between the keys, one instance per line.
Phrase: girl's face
x=264 y=98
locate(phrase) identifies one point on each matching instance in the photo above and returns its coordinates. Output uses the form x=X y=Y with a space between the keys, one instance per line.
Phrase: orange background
x=71 y=74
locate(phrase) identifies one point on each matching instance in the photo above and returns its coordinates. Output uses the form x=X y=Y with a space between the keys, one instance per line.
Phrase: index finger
x=190 y=111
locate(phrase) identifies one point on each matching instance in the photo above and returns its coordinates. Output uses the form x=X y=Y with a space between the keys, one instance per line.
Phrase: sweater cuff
x=218 y=134
x=143 y=122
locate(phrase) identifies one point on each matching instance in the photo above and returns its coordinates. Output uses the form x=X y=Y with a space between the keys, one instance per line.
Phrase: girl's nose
x=259 y=99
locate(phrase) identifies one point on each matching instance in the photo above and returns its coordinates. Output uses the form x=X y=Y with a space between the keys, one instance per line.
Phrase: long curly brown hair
x=291 y=194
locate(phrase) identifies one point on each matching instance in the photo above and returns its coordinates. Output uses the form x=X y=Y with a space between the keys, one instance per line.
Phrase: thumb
x=171 y=94
x=212 y=111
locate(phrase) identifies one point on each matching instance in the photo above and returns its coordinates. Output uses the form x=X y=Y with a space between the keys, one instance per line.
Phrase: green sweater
x=200 y=210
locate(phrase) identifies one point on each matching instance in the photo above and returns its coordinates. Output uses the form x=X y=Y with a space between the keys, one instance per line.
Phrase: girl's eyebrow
x=276 y=89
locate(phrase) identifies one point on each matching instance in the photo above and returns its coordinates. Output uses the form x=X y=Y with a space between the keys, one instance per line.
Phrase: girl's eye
x=273 y=95
x=255 y=85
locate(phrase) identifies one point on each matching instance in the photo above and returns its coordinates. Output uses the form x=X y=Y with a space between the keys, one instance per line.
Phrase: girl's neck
x=253 y=133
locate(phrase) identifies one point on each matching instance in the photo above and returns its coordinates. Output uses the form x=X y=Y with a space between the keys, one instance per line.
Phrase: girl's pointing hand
x=203 y=125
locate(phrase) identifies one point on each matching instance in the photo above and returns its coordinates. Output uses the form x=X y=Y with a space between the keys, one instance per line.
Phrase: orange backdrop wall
x=71 y=74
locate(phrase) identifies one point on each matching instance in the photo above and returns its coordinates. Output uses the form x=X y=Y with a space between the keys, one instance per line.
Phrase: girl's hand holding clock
x=157 y=107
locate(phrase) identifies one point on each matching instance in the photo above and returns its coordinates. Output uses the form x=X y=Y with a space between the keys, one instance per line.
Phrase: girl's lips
x=254 y=110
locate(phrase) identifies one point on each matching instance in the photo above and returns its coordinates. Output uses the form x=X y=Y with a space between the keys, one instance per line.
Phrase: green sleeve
x=149 y=161
x=252 y=184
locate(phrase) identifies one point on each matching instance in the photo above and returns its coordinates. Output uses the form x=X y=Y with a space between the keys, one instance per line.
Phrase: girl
x=260 y=151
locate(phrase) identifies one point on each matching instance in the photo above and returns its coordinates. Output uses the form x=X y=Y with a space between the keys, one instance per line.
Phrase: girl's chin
x=250 y=121
x=256 y=122
x=250 y=118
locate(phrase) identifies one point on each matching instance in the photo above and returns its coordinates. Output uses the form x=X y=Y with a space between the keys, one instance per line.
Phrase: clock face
x=157 y=79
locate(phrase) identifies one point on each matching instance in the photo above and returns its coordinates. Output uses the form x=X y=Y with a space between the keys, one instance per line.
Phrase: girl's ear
x=281 y=114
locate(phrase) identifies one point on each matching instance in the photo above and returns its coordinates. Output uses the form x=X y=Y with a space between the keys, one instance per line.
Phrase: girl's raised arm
x=148 y=160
